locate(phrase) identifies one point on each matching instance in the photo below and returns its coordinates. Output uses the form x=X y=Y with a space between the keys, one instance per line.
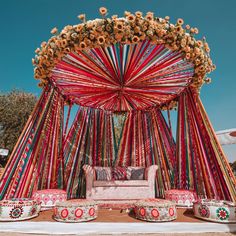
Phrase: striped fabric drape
x=123 y=77
x=36 y=161
x=145 y=140
x=201 y=162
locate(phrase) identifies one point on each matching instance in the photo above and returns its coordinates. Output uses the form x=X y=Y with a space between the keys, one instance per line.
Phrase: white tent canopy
x=227 y=136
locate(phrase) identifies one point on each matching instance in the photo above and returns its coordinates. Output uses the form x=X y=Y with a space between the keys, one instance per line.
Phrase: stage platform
x=116 y=222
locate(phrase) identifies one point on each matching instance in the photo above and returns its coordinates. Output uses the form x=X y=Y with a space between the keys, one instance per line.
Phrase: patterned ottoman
x=182 y=198
x=49 y=197
x=19 y=209
x=215 y=210
x=79 y=210
x=157 y=210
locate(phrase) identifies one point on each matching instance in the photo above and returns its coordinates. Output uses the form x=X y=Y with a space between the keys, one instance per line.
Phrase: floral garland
x=130 y=29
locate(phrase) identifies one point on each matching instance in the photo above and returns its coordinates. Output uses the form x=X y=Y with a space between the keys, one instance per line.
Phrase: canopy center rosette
x=123 y=77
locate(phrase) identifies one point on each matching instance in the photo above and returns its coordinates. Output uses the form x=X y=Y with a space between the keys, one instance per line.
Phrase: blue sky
x=25 y=24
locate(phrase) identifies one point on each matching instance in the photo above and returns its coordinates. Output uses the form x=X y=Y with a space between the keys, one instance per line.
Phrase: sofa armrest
x=89 y=175
x=151 y=174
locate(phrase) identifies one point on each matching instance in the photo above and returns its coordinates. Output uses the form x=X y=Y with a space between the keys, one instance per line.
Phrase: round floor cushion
x=215 y=210
x=182 y=198
x=157 y=210
x=79 y=210
x=19 y=209
x=49 y=197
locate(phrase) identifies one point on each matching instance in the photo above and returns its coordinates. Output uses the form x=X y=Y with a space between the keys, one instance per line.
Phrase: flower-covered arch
x=132 y=67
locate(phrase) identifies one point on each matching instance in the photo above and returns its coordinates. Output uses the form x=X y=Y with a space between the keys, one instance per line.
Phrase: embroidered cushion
x=135 y=173
x=103 y=173
x=119 y=173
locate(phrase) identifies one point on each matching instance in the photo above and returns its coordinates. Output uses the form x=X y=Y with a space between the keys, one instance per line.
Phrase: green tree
x=15 y=108
x=233 y=167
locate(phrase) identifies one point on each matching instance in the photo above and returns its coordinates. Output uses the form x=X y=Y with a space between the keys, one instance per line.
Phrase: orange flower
x=119 y=25
x=131 y=18
x=54 y=30
x=167 y=18
x=199 y=43
x=63 y=43
x=187 y=56
x=127 y=13
x=43 y=44
x=187 y=27
x=82 y=45
x=180 y=21
x=135 y=39
x=37 y=50
x=149 y=17
x=196 y=31
x=81 y=17
x=138 y=14
x=114 y=17
x=79 y=27
x=101 y=40
x=103 y=11
x=67 y=50
x=207 y=80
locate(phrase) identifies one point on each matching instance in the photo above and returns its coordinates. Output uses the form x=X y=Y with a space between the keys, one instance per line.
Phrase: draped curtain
x=36 y=161
x=144 y=139
x=201 y=163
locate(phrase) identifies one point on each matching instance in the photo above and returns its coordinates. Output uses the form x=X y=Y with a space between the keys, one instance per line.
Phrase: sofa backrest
x=119 y=173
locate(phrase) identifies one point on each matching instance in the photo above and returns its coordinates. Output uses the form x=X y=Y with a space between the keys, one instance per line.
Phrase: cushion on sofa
x=119 y=173
x=121 y=183
x=103 y=173
x=135 y=173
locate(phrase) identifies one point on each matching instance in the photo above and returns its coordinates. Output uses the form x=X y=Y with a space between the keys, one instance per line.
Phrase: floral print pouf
x=155 y=210
x=182 y=198
x=215 y=210
x=78 y=210
x=19 y=209
x=49 y=197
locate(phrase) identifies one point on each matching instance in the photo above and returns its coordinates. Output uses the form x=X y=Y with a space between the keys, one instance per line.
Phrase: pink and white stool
x=182 y=198
x=49 y=197
x=79 y=210
x=156 y=210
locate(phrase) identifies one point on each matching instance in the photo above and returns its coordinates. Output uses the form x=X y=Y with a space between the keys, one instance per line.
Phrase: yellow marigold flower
x=103 y=11
x=180 y=21
x=138 y=14
x=82 y=45
x=101 y=40
x=135 y=39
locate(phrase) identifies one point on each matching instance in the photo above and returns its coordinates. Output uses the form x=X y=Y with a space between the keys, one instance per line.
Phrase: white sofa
x=120 y=189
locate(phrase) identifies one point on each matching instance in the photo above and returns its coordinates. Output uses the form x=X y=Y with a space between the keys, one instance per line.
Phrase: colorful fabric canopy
x=128 y=83
x=123 y=77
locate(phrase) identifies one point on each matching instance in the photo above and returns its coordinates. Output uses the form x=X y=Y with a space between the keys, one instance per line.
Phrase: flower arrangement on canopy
x=136 y=66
